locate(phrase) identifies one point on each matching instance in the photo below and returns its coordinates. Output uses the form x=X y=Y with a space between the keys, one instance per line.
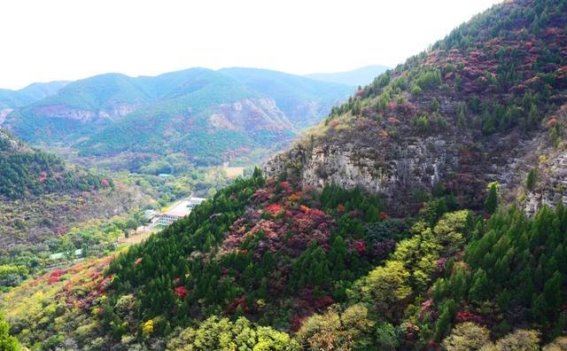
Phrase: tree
x=479 y=290
x=336 y=330
x=467 y=336
x=385 y=287
x=559 y=344
x=386 y=337
x=532 y=178
x=491 y=202
x=520 y=340
x=224 y=335
x=7 y=342
x=443 y=324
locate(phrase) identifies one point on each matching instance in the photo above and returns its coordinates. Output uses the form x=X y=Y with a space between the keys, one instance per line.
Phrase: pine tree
x=479 y=290
x=532 y=178
x=491 y=202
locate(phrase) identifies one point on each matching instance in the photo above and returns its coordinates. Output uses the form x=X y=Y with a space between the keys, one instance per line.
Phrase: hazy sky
x=70 y=39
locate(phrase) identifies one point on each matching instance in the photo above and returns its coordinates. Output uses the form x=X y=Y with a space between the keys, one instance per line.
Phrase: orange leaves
x=274 y=209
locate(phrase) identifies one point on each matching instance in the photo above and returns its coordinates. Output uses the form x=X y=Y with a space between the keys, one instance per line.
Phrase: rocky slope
x=479 y=107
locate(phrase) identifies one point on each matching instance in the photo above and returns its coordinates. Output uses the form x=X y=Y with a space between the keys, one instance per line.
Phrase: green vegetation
x=26 y=172
x=533 y=285
x=532 y=179
x=485 y=65
x=329 y=266
x=7 y=342
x=224 y=335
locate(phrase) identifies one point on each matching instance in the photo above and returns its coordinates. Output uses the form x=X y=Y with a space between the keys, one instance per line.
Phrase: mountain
x=357 y=77
x=41 y=196
x=208 y=116
x=29 y=94
x=12 y=99
x=479 y=107
x=384 y=229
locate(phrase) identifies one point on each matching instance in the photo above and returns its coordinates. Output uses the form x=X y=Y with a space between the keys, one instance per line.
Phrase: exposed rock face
x=398 y=169
x=551 y=188
x=85 y=116
x=393 y=159
x=250 y=115
x=3 y=113
x=418 y=162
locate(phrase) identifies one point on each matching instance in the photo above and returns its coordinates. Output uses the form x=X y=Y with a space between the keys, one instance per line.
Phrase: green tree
x=223 y=335
x=491 y=202
x=467 y=336
x=532 y=178
x=7 y=342
x=385 y=287
x=443 y=324
x=338 y=330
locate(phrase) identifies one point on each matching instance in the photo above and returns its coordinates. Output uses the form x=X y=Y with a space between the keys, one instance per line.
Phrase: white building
x=181 y=209
x=194 y=201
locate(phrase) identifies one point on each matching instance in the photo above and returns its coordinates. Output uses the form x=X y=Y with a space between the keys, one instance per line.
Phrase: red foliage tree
x=181 y=292
x=468 y=316
x=359 y=246
x=274 y=209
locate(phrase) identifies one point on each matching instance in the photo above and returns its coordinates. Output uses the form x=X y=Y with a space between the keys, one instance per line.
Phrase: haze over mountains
x=29 y=94
x=358 y=77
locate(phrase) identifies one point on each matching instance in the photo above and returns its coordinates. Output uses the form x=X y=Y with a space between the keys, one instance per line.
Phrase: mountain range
x=208 y=116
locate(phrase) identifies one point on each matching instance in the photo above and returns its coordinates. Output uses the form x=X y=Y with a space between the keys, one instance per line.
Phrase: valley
x=250 y=209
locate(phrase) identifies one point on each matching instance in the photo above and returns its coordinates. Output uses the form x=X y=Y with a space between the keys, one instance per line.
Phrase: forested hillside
x=26 y=171
x=41 y=196
x=481 y=106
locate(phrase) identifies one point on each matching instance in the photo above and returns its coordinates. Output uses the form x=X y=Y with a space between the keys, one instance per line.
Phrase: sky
x=72 y=39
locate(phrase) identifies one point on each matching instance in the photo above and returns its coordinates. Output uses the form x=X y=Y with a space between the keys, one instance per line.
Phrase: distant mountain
x=29 y=94
x=358 y=77
x=209 y=116
x=296 y=96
